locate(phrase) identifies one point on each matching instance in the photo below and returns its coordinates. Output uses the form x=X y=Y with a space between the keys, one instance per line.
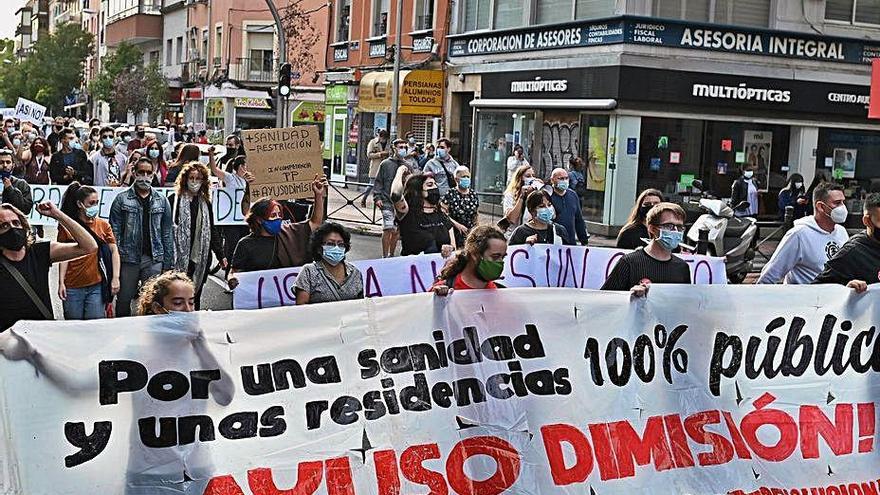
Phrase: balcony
x=255 y=70
x=23 y=30
x=139 y=24
x=194 y=69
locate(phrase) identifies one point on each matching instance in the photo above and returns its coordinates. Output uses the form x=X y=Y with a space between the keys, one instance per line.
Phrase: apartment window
x=855 y=11
x=179 y=49
x=755 y=13
x=477 y=15
x=204 y=52
x=218 y=46
x=424 y=12
x=343 y=20
x=154 y=57
x=509 y=13
x=550 y=11
x=260 y=64
x=380 y=17
x=593 y=9
x=169 y=52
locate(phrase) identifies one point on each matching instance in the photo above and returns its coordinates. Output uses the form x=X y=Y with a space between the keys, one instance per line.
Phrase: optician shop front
x=646 y=125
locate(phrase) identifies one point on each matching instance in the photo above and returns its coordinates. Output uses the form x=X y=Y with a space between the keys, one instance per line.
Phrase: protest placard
x=29 y=111
x=225 y=202
x=537 y=266
x=712 y=390
x=284 y=161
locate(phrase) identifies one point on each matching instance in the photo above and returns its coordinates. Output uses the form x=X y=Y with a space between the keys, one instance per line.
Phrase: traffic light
x=284 y=80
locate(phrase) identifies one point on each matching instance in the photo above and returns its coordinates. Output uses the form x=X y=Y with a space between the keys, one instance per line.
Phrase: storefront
x=637 y=128
x=338 y=120
x=253 y=113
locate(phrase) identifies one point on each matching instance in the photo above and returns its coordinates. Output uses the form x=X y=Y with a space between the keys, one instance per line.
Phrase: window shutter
x=550 y=11
x=593 y=9
x=868 y=11
x=839 y=10
x=754 y=13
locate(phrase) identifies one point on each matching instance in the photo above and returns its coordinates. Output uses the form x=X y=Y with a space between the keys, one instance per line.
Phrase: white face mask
x=748 y=174
x=194 y=186
x=839 y=214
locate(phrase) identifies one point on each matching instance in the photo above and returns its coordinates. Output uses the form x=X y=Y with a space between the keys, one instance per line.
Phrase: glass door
x=337 y=146
x=592 y=169
x=497 y=134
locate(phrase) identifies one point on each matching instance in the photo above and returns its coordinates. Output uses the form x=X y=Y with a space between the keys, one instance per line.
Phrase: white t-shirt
x=513 y=163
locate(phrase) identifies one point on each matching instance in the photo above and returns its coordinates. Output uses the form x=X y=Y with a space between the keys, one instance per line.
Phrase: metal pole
x=395 y=90
x=282 y=59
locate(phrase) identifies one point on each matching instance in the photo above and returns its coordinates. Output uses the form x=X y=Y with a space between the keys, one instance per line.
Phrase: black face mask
x=433 y=196
x=644 y=209
x=13 y=239
x=875 y=233
x=141 y=135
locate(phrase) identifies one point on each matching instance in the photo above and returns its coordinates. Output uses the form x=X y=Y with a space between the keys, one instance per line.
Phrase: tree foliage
x=125 y=58
x=53 y=70
x=139 y=89
x=301 y=35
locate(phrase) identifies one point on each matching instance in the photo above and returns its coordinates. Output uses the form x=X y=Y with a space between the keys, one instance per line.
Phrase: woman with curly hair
x=170 y=291
x=478 y=265
x=195 y=235
x=329 y=278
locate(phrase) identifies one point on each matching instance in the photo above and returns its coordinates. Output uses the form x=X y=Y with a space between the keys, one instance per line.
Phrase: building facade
x=657 y=93
x=360 y=78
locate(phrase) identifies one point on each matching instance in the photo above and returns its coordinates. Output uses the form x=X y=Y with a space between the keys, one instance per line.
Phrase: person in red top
x=478 y=265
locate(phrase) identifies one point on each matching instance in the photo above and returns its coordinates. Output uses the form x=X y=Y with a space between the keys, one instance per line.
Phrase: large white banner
x=225 y=201
x=538 y=266
x=694 y=390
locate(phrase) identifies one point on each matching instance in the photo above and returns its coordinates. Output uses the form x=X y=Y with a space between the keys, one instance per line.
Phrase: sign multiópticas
x=667 y=33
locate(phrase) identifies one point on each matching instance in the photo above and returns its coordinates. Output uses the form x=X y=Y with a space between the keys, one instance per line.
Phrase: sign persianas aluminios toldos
x=421 y=92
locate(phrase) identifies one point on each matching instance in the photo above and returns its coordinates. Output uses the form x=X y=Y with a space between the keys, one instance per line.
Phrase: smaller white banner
x=526 y=266
x=29 y=111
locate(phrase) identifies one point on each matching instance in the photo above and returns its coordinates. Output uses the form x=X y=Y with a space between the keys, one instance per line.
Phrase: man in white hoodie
x=812 y=241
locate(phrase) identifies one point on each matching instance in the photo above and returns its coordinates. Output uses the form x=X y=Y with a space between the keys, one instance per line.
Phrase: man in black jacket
x=13 y=190
x=745 y=188
x=857 y=264
x=71 y=163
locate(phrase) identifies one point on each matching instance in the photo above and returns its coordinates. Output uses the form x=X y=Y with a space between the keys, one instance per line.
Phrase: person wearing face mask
x=428 y=155
x=462 y=205
x=513 y=202
x=806 y=248
x=35 y=159
x=17 y=143
x=153 y=151
x=195 y=235
x=124 y=138
x=745 y=189
x=234 y=149
x=635 y=231
x=138 y=141
x=93 y=144
x=794 y=195
x=568 y=208
x=655 y=263
x=330 y=277
x=54 y=137
x=540 y=229
x=388 y=170
x=71 y=163
x=142 y=223
x=442 y=166
x=238 y=178
x=517 y=160
x=24 y=264
x=86 y=285
x=477 y=266
x=424 y=228
x=377 y=151
x=108 y=163
x=13 y=190
x=857 y=263
x=272 y=243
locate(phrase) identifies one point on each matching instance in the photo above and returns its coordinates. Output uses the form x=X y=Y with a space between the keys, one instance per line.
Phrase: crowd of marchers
x=155 y=252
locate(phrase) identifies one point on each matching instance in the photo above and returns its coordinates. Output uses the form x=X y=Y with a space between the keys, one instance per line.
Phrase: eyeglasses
x=333 y=244
x=15 y=224
x=674 y=227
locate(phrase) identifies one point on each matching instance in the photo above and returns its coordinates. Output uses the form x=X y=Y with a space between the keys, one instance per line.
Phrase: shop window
x=853 y=159
x=380 y=17
x=593 y=151
x=550 y=11
x=424 y=15
x=477 y=15
x=497 y=133
x=343 y=20
x=508 y=13
x=593 y=9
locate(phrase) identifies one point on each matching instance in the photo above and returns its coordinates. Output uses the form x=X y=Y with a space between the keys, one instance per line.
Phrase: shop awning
x=575 y=104
x=421 y=92
x=68 y=108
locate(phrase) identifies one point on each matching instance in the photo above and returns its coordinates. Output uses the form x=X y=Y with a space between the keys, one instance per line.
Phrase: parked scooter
x=718 y=232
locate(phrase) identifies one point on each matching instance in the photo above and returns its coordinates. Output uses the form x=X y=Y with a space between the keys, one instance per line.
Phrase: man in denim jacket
x=146 y=241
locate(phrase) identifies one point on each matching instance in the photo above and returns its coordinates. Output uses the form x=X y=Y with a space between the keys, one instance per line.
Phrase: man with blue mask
x=442 y=166
x=109 y=164
x=568 y=208
x=71 y=163
x=382 y=195
x=655 y=263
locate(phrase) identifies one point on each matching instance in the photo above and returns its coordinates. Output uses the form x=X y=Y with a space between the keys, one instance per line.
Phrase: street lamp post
x=282 y=59
x=395 y=90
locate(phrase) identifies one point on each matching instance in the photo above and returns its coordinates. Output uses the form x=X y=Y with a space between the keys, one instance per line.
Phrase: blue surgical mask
x=273 y=227
x=748 y=174
x=107 y=142
x=75 y=145
x=562 y=185
x=464 y=183
x=334 y=254
x=154 y=153
x=441 y=153
x=16 y=142
x=92 y=211
x=546 y=214
x=670 y=239
x=402 y=153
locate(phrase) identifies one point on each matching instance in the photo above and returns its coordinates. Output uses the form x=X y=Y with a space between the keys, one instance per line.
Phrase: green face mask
x=490 y=270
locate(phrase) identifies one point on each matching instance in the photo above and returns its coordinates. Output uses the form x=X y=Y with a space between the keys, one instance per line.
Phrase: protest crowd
x=426 y=204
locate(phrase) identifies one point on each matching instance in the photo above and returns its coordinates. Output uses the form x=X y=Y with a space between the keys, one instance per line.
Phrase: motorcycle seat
x=736 y=227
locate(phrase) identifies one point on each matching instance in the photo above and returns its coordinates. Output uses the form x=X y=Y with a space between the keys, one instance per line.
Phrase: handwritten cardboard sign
x=284 y=161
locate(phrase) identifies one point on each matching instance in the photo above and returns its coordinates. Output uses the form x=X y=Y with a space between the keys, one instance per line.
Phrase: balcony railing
x=152 y=7
x=192 y=69
x=254 y=70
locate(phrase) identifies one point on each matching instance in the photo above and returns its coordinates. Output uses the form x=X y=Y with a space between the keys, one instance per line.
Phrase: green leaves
x=129 y=86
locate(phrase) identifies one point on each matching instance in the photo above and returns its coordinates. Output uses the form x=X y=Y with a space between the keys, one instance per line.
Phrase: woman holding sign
x=195 y=235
